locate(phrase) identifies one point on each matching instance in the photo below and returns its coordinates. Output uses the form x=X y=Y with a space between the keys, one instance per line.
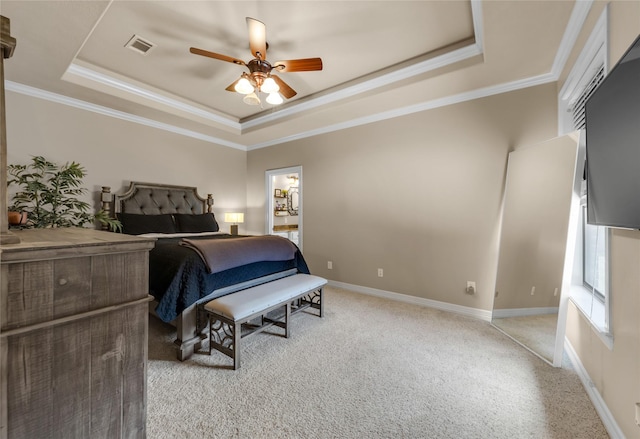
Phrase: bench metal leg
x=237 y=335
x=223 y=337
x=313 y=299
x=287 y=316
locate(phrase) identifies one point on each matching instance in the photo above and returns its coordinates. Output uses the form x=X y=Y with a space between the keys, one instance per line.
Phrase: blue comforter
x=178 y=276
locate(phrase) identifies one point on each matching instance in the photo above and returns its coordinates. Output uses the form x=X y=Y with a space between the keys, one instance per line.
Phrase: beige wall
x=615 y=373
x=419 y=196
x=115 y=152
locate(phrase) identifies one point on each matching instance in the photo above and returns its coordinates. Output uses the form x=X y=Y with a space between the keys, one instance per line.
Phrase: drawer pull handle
x=62 y=281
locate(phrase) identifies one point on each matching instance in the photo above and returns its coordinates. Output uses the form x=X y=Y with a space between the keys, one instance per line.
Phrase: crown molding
x=574 y=26
x=424 y=106
x=105 y=111
x=398 y=112
x=105 y=81
x=597 y=41
x=109 y=82
x=478 y=26
x=367 y=85
x=576 y=22
x=156 y=98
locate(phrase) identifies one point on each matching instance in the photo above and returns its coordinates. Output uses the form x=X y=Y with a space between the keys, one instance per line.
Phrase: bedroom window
x=590 y=285
x=594 y=259
x=592 y=296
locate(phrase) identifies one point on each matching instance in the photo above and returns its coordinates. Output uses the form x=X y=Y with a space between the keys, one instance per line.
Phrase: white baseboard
x=458 y=309
x=600 y=405
x=521 y=312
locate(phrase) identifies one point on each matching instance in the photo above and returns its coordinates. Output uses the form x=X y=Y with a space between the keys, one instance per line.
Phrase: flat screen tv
x=612 y=117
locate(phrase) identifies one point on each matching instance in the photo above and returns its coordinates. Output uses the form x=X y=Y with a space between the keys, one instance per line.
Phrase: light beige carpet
x=372 y=368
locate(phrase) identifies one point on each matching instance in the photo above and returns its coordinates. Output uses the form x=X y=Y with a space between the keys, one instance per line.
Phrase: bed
x=180 y=279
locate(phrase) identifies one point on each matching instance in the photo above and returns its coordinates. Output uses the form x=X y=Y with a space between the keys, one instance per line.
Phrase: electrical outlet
x=555 y=292
x=330 y=265
x=471 y=287
x=533 y=290
x=638 y=413
x=380 y=272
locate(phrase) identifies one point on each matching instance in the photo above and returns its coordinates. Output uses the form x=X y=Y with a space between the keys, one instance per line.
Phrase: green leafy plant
x=49 y=193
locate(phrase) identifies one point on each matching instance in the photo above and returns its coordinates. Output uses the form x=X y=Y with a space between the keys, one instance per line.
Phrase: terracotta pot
x=17 y=218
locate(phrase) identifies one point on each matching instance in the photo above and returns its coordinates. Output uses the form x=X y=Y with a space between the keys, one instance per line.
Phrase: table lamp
x=234 y=218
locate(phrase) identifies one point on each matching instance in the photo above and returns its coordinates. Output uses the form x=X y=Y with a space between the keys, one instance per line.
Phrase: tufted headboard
x=154 y=199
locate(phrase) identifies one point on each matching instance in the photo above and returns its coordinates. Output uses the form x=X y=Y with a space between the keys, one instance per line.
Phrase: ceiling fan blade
x=299 y=65
x=285 y=90
x=257 y=38
x=214 y=55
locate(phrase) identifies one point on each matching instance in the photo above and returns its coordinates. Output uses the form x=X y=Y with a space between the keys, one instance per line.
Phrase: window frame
x=587 y=283
x=592 y=60
x=595 y=306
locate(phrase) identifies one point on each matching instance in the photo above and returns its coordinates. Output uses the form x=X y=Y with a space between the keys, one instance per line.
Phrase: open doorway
x=284 y=203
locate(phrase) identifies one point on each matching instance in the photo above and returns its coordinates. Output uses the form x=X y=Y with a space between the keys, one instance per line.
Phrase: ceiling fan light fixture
x=269 y=86
x=275 y=98
x=243 y=86
x=252 y=99
x=259 y=78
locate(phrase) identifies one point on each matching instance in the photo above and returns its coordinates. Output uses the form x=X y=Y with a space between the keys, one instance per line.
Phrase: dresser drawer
x=39 y=291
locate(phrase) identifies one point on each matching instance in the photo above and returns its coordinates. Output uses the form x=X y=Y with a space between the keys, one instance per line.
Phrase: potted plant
x=49 y=195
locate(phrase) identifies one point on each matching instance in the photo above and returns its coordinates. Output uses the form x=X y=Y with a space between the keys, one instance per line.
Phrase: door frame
x=268 y=175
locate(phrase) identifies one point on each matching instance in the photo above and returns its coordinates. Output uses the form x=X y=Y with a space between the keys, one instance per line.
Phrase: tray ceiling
x=379 y=57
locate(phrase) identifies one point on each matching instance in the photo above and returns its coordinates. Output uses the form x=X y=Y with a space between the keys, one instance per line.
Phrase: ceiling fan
x=260 y=76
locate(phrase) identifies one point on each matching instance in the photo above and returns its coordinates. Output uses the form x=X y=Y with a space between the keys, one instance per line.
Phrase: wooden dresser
x=73 y=335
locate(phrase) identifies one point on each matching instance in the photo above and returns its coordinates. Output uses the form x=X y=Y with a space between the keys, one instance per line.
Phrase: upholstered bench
x=246 y=312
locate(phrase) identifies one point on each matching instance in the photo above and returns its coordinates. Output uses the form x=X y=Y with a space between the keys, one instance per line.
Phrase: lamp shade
x=233 y=217
x=274 y=98
x=243 y=86
x=251 y=99
x=269 y=86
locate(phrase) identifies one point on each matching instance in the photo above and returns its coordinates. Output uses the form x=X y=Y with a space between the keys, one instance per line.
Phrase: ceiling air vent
x=140 y=45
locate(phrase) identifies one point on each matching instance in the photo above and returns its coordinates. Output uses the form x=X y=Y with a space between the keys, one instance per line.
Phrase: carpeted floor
x=372 y=368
